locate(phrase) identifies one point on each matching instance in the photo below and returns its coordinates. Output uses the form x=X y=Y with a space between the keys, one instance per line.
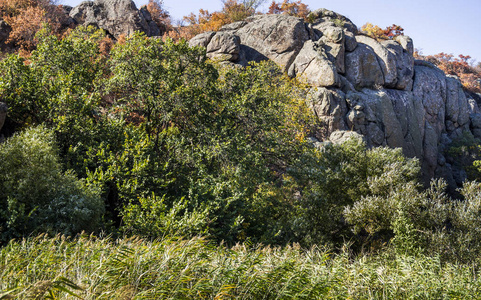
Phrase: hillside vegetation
x=142 y=169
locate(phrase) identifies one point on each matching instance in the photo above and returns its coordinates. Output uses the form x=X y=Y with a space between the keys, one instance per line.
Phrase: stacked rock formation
x=372 y=87
x=117 y=17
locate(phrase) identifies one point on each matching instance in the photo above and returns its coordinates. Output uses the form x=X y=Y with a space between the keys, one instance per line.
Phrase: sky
x=449 y=26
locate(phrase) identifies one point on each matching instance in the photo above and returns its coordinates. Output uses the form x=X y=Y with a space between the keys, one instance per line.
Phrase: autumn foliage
x=26 y=17
x=159 y=15
x=378 y=33
x=232 y=11
x=295 y=8
x=469 y=75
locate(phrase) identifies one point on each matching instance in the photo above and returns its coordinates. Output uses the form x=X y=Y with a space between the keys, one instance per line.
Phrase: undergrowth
x=102 y=268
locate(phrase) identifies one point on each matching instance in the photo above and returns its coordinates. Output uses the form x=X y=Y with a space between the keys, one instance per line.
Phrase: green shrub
x=340 y=176
x=36 y=196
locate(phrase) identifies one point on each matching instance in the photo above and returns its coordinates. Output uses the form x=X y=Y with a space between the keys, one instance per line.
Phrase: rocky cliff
x=375 y=88
x=117 y=17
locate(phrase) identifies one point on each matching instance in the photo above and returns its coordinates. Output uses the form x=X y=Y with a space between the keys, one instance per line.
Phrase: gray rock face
x=404 y=64
x=314 y=66
x=379 y=123
x=224 y=47
x=117 y=17
x=405 y=110
x=457 y=112
x=330 y=107
x=3 y=114
x=5 y=30
x=276 y=37
x=430 y=97
x=361 y=86
x=385 y=58
x=362 y=67
x=476 y=125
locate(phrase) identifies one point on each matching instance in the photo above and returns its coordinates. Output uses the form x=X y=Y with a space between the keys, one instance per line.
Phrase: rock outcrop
x=3 y=114
x=374 y=88
x=5 y=30
x=117 y=17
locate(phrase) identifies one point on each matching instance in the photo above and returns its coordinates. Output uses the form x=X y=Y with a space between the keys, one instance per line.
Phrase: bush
x=337 y=177
x=36 y=196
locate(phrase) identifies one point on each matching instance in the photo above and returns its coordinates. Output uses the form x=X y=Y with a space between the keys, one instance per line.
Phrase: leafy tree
x=296 y=8
x=26 y=17
x=376 y=32
x=460 y=66
x=200 y=143
x=232 y=11
x=159 y=15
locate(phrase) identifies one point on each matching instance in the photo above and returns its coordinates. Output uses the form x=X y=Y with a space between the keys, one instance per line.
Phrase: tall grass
x=95 y=268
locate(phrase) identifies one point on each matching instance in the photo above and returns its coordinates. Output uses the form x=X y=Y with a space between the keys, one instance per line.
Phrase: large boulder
x=350 y=40
x=332 y=42
x=202 y=39
x=3 y=114
x=404 y=64
x=313 y=65
x=5 y=30
x=224 y=46
x=117 y=17
x=330 y=18
x=342 y=136
x=329 y=105
x=457 y=107
x=362 y=67
x=386 y=60
x=276 y=37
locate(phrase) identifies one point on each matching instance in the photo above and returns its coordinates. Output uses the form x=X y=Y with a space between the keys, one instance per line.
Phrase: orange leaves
x=378 y=33
x=296 y=8
x=451 y=65
x=206 y=21
x=373 y=31
x=160 y=16
x=26 y=17
x=25 y=26
x=471 y=82
x=460 y=66
x=232 y=11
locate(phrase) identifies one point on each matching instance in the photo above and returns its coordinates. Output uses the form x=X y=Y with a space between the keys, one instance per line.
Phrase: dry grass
x=93 y=268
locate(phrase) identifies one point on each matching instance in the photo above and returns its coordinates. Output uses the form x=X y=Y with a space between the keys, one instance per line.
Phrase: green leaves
x=166 y=84
x=36 y=196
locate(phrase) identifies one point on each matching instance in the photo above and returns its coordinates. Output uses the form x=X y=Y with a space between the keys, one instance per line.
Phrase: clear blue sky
x=450 y=26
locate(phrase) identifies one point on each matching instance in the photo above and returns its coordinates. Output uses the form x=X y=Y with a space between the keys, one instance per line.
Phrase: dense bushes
x=175 y=145
x=36 y=196
x=340 y=176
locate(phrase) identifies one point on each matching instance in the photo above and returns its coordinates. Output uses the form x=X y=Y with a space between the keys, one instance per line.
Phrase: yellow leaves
x=296 y=8
x=232 y=11
x=373 y=31
x=378 y=33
